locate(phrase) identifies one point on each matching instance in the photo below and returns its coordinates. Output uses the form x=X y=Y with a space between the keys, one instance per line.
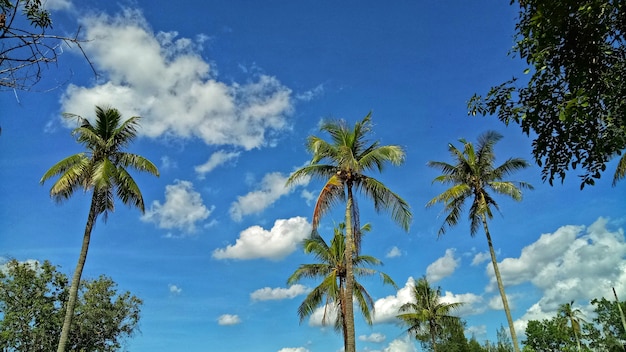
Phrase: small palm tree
x=473 y=176
x=427 y=316
x=573 y=317
x=349 y=156
x=101 y=169
x=331 y=269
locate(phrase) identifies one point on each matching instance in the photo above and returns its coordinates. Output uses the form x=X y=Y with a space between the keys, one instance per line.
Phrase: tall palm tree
x=332 y=270
x=573 y=316
x=349 y=155
x=427 y=316
x=101 y=169
x=472 y=176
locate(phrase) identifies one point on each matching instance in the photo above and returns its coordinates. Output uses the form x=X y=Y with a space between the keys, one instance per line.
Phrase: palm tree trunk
x=350 y=342
x=71 y=303
x=496 y=271
x=433 y=338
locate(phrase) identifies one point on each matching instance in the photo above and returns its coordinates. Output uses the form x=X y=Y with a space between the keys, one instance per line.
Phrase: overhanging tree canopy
x=574 y=101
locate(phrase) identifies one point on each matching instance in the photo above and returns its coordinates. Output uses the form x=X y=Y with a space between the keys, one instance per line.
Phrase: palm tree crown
x=472 y=177
x=348 y=156
x=426 y=315
x=331 y=269
x=101 y=169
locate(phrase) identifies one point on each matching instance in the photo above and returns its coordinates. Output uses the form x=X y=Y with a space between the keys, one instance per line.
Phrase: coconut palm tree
x=349 y=155
x=426 y=316
x=101 y=169
x=473 y=176
x=332 y=270
x=573 y=317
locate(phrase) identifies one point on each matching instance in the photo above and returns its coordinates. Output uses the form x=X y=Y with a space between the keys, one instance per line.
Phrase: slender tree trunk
x=350 y=342
x=496 y=271
x=71 y=303
x=433 y=338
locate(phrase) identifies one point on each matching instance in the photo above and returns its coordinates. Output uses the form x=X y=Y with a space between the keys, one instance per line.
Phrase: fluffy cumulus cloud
x=386 y=309
x=573 y=263
x=228 y=319
x=373 y=337
x=278 y=293
x=255 y=242
x=164 y=78
x=442 y=267
x=182 y=210
x=268 y=191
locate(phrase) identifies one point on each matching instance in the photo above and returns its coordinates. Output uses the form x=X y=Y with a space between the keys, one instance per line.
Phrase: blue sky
x=228 y=92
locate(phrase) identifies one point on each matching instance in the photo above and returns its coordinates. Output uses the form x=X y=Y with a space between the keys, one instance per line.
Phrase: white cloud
x=573 y=263
x=175 y=289
x=165 y=79
x=293 y=349
x=311 y=94
x=386 y=309
x=472 y=303
x=228 y=319
x=53 y=5
x=183 y=208
x=275 y=244
x=401 y=345
x=480 y=258
x=167 y=163
x=278 y=293
x=324 y=315
x=393 y=252
x=373 y=337
x=216 y=159
x=442 y=267
x=271 y=188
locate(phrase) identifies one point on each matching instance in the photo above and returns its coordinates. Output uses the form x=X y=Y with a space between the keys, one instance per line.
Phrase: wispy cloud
x=278 y=293
x=175 y=290
x=373 y=337
x=271 y=188
x=216 y=159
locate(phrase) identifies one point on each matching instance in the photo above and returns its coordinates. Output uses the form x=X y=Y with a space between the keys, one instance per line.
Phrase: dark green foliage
x=31 y=310
x=573 y=102
x=453 y=337
x=611 y=335
x=605 y=333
